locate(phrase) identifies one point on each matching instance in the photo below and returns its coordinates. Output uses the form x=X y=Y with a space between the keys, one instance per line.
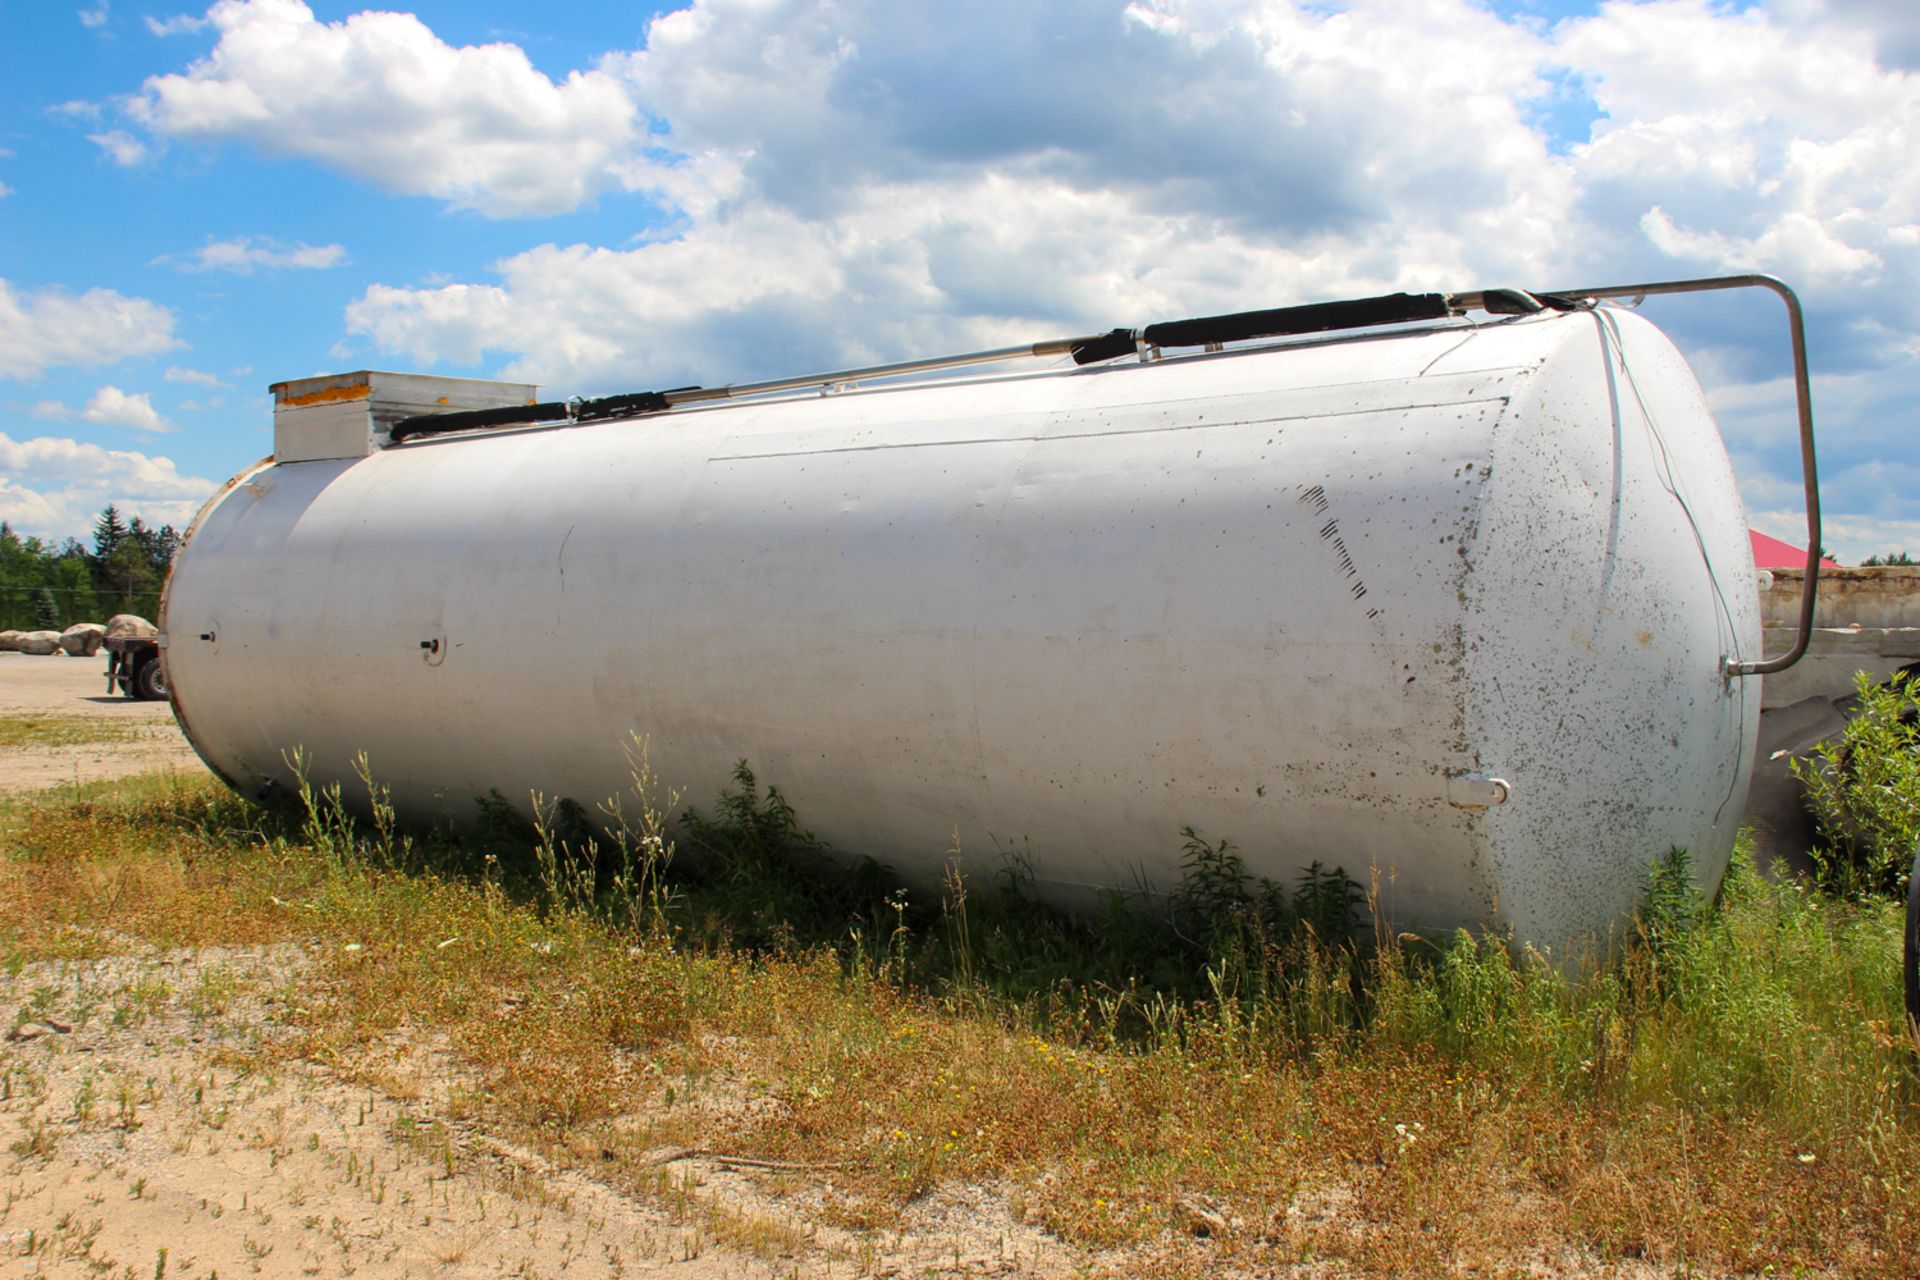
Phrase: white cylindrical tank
x=1446 y=606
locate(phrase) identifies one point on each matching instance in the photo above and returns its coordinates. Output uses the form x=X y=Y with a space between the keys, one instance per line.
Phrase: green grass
x=1730 y=1092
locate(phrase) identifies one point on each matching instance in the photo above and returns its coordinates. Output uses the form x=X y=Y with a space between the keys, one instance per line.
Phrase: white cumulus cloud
x=1735 y=140
x=381 y=97
x=110 y=407
x=1892 y=26
x=855 y=183
x=121 y=147
x=244 y=255
x=52 y=487
x=40 y=328
x=194 y=377
x=178 y=25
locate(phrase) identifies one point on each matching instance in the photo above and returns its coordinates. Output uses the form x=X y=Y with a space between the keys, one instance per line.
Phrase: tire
x=150 y=682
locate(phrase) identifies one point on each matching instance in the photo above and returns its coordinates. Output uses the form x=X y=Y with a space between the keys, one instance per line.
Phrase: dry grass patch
x=72 y=731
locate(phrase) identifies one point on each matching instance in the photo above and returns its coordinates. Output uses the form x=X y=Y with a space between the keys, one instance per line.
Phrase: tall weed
x=1864 y=790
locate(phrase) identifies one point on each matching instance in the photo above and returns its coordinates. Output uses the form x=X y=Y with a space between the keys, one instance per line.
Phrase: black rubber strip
x=621 y=406
x=1317 y=317
x=1117 y=343
x=426 y=424
x=1512 y=302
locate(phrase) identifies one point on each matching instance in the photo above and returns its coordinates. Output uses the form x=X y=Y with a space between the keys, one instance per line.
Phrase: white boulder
x=82 y=639
x=40 y=643
x=129 y=626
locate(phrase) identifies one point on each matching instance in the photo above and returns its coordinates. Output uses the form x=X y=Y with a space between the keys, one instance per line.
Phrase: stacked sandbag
x=10 y=641
x=40 y=643
x=82 y=639
x=129 y=626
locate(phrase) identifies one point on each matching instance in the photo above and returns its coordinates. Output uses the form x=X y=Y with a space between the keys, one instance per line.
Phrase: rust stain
x=1644 y=637
x=328 y=395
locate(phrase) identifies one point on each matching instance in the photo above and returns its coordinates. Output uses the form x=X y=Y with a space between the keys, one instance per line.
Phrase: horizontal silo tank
x=1446 y=606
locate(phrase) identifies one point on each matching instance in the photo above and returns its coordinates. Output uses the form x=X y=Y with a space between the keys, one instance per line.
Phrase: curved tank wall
x=1311 y=598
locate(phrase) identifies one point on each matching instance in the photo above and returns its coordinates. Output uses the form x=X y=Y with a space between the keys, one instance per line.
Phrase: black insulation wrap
x=426 y=424
x=1118 y=342
x=621 y=406
x=1278 y=322
x=1512 y=302
x=1315 y=317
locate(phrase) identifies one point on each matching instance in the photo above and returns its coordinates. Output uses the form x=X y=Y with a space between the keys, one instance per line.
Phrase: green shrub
x=1864 y=791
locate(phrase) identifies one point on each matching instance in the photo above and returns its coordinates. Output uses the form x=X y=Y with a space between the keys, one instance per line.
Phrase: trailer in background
x=135 y=667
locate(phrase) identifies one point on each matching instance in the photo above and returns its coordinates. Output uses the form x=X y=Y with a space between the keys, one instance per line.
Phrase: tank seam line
x=1096 y=435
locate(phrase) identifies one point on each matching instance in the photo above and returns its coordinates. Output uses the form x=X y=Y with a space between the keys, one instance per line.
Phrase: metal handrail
x=640 y=404
x=738 y=390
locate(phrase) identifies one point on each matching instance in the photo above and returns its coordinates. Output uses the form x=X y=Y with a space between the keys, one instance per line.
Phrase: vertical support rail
x=1803 y=393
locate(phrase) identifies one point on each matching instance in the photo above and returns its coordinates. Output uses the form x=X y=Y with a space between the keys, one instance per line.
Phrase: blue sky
x=197 y=201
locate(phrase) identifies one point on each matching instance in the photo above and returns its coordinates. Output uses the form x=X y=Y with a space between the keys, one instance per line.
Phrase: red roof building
x=1771 y=553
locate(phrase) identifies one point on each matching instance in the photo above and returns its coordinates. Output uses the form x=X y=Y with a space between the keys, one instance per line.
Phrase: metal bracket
x=1477 y=790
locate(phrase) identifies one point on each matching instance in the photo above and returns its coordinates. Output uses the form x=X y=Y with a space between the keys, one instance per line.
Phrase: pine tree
x=46 y=613
x=108 y=532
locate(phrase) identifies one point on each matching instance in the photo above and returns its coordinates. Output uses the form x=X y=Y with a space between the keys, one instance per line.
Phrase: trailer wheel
x=150 y=682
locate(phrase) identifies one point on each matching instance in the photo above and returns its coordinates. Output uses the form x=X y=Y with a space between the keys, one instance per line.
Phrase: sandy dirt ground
x=148 y=1126
x=146 y=1131
x=133 y=737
